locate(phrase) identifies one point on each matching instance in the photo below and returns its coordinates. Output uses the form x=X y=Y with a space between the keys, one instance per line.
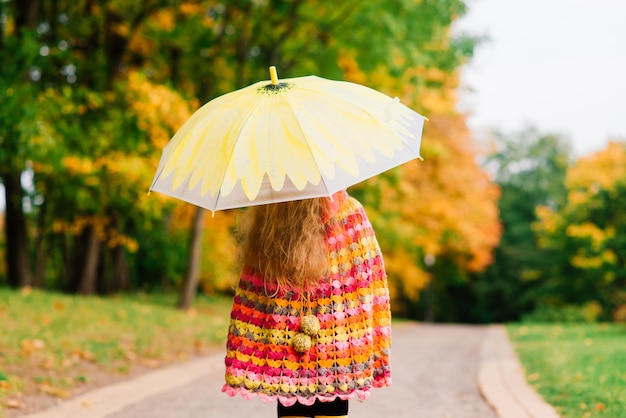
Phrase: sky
x=557 y=65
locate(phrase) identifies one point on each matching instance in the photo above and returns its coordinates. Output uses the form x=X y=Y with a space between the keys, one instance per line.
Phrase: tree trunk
x=89 y=274
x=41 y=249
x=16 y=238
x=121 y=279
x=26 y=12
x=190 y=282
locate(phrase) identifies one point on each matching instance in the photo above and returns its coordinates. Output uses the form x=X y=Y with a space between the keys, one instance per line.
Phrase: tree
x=401 y=47
x=587 y=233
x=76 y=138
x=117 y=78
x=17 y=86
x=530 y=169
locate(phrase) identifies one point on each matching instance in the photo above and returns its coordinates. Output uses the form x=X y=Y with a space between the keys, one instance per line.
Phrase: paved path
x=436 y=374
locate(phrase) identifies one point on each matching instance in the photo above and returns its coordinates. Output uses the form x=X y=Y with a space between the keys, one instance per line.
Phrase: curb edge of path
x=501 y=380
x=106 y=400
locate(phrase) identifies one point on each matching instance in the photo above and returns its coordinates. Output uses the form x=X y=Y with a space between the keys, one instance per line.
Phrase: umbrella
x=281 y=140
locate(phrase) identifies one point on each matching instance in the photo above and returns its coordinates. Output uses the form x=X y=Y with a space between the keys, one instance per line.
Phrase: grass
x=56 y=344
x=580 y=369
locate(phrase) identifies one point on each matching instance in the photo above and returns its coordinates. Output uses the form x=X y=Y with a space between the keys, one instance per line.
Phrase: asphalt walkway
x=439 y=371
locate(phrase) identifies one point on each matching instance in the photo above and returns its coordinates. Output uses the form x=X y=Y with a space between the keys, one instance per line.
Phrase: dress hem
x=287 y=401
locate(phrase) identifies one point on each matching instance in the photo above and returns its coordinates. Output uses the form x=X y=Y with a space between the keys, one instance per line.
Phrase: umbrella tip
x=273 y=75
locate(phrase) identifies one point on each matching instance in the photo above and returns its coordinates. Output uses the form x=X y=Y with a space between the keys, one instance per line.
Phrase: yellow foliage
x=189 y=9
x=585 y=261
x=400 y=265
x=104 y=231
x=351 y=70
x=182 y=217
x=77 y=165
x=218 y=270
x=160 y=110
x=548 y=220
x=164 y=19
x=141 y=45
x=599 y=170
x=132 y=168
x=587 y=230
x=121 y=29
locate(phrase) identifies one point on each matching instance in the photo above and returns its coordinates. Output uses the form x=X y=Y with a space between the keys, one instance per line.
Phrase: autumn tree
x=116 y=79
x=403 y=48
x=586 y=234
x=90 y=159
x=438 y=218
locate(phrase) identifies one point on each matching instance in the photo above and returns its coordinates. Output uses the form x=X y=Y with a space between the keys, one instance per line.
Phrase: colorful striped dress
x=350 y=353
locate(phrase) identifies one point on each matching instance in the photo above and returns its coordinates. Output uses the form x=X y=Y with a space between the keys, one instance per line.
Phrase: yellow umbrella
x=276 y=141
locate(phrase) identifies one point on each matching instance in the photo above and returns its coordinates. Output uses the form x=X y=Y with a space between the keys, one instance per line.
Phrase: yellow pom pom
x=310 y=325
x=301 y=342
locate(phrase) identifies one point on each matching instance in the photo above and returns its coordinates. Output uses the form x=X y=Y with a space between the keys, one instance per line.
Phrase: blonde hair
x=285 y=242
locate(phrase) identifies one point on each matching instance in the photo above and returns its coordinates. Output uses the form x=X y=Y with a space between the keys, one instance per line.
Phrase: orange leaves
x=351 y=69
x=450 y=197
x=446 y=204
x=164 y=19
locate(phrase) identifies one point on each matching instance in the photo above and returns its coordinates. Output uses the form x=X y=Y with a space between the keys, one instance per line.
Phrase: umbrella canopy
x=276 y=141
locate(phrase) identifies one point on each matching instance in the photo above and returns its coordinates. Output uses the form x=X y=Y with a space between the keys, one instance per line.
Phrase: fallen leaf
x=55 y=391
x=150 y=363
x=45 y=319
x=533 y=376
x=14 y=404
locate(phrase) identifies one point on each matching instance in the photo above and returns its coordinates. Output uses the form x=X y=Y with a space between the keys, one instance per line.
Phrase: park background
x=492 y=226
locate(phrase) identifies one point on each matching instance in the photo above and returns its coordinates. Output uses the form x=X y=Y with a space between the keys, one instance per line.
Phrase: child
x=310 y=325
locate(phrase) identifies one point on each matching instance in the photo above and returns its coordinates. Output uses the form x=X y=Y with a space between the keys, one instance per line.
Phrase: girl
x=310 y=325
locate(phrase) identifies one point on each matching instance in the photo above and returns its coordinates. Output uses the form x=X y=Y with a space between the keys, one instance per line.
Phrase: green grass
x=55 y=343
x=580 y=369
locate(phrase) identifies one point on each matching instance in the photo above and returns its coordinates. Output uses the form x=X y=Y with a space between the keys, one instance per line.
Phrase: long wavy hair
x=285 y=242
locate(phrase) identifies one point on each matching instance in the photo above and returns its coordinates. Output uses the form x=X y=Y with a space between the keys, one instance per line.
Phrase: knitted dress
x=349 y=355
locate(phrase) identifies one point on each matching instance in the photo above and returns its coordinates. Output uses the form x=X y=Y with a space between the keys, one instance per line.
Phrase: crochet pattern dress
x=350 y=353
